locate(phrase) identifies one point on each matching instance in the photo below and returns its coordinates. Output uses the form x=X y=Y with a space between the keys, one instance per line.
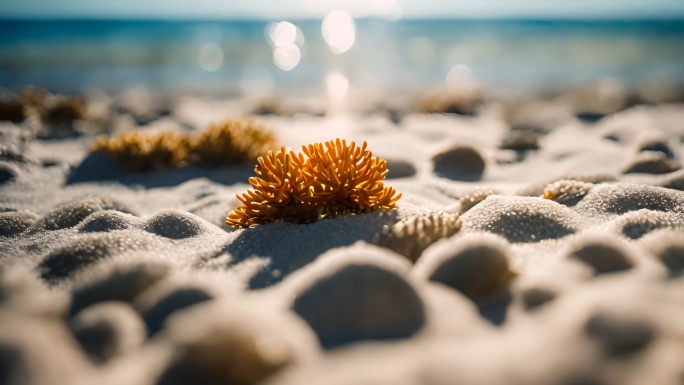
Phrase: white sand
x=584 y=293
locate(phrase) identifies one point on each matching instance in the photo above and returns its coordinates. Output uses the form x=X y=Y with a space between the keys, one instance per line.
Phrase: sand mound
x=72 y=213
x=349 y=298
x=521 y=219
x=15 y=222
x=619 y=335
x=178 y=299
x=39 y=351
x=21 y=292
x=623 y=198
x=175 y=225
x=108 y=330
x=604 y=257
x=400 y=169
x=651 y=162
x=8 y=173
x=106 y=221
x=476 y=266
x=668 y=247
x=64 y=261
x=459 y=163
x=115 y=281
x=534 y=297
x=636 y=224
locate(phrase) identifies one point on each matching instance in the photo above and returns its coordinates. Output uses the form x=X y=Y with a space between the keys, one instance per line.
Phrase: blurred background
x=274 y=46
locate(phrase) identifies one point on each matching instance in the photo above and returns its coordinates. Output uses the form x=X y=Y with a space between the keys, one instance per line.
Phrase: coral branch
x=324 y=181
x=232 y=141
x=139 y=152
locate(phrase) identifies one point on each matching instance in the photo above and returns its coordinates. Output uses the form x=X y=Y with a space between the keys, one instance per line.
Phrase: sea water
x=69 y=56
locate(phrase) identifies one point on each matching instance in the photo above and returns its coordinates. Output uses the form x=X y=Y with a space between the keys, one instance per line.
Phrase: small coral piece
x=231 y=141
x=140 y=152
x=324 y=181
x=411 y=237
x=537 y=188
x=567 y=192
x=62 y=116
x=469 y=201
x=63 y=110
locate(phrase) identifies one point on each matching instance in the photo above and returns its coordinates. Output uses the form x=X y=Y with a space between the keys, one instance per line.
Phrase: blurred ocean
x=68 y=56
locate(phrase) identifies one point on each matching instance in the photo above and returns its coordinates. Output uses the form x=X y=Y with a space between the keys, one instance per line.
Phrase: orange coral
x=140 y=152
x=231 y=141
x=323 y=181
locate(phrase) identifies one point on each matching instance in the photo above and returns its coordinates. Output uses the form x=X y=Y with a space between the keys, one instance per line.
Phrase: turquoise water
x=67 y=56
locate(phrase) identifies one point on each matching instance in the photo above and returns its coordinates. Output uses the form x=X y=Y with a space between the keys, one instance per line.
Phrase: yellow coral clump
x=324 y=181
x=140 y=152
x=231 y=141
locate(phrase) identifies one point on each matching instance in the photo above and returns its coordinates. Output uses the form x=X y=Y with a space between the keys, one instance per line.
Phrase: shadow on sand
x=290 y=246
x=101 y=167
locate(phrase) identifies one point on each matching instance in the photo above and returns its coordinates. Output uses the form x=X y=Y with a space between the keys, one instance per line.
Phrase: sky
x=312 y=9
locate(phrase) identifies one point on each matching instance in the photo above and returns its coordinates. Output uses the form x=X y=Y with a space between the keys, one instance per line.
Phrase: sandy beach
x=358 y=192
x=531 y=245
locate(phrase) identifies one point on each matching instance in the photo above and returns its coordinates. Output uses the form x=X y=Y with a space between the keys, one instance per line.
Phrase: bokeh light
x=337 y=86
x=286 y=39
x=287 y=57
x=282 y=34
x=339 y=31
x=460 y=80
x=210 y=57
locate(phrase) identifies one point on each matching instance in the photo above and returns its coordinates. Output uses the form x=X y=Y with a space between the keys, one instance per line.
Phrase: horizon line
x=660 y=18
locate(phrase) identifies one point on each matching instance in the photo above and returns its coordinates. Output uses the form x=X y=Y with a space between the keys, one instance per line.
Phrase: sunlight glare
x=287 y=57
x=339 y=31
x=460 y=80
x=282 y=34
x=337 y=85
